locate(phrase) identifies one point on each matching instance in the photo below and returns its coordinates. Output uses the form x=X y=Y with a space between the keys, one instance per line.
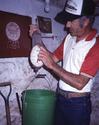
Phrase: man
x=79 y=52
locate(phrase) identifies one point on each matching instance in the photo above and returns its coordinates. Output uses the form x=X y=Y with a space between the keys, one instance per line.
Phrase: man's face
x=74 y=27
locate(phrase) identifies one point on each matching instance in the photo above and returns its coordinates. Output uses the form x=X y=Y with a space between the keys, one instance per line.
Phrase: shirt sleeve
x=58 y=53
x=90 y=65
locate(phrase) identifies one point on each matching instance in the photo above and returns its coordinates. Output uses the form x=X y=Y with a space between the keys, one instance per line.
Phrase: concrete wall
x=18 y=70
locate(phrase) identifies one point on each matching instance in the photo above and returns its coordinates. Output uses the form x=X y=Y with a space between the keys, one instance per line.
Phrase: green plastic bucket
x=38 y=107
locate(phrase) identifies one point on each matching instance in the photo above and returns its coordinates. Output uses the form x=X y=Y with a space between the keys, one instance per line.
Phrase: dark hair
x=91 y=18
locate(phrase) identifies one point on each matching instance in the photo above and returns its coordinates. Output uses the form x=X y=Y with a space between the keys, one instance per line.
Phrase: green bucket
x=38 y=107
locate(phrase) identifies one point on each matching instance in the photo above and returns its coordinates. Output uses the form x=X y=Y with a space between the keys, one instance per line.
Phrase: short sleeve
x=59 y=51
x=90 y=65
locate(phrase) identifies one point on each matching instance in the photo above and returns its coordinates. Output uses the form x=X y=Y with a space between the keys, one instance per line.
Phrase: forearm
x=74 y=80
x=77 y=81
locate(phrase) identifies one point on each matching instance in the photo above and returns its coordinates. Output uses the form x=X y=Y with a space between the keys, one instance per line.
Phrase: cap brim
x=64 y=16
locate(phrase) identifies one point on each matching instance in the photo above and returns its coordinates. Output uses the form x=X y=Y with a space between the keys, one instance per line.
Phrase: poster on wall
x=45 y=24
x=14 y=35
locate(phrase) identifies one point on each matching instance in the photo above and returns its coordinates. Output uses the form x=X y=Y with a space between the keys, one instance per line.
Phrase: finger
x=34 y=27
x=43 y=54
x=43 y=49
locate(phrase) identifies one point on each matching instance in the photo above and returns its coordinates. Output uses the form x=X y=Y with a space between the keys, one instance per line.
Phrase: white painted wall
x=17 y=70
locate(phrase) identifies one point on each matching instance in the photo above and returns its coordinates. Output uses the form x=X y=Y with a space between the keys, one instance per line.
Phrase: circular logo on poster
x=13 y=31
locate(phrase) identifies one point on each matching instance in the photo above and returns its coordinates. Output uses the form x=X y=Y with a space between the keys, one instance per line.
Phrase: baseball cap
x=74 y=9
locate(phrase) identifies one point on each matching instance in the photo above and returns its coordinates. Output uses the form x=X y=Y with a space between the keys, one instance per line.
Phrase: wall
x=18 y=70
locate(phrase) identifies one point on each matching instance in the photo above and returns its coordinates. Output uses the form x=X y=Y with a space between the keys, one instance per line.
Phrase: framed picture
x=45 y=24
x=14 y=35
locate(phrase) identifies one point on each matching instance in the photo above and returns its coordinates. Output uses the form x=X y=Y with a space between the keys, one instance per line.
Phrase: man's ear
x=86 y=22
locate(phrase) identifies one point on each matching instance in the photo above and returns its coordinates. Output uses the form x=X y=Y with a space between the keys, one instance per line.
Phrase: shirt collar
x=91 y=35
